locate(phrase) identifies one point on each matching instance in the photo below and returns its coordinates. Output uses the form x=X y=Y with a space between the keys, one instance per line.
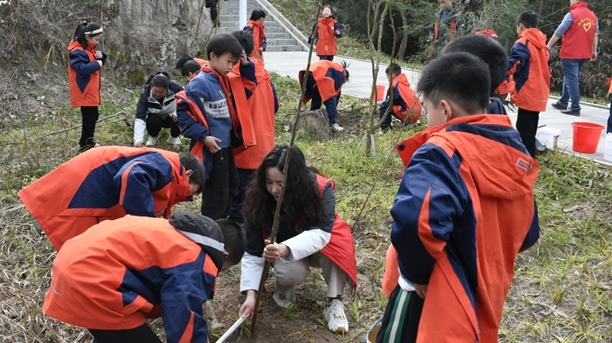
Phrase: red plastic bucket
x=586 y=137
x=380 y=92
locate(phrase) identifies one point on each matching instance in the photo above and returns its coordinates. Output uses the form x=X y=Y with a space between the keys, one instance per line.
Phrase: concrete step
x=280 y=41
x=283 y=48
x=270 y=36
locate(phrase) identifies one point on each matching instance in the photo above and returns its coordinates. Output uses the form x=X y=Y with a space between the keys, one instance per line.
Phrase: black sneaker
x=559 y=106
x=571 y=112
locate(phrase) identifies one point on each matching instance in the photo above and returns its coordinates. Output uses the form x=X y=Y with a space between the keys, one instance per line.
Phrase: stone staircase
x=278 y=36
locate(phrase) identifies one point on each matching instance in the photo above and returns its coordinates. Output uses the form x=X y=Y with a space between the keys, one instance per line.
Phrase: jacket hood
x=203 y=231
x=499 y=164
x=535 y=37
x=403 y=79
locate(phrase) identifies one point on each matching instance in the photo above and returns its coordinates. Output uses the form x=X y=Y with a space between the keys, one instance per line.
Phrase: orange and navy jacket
x=405 y=102
x=83 y=76
x=259 y=38
x=529 y=71
x=263 y=105
x=201 y=62
x=331 y=236
x=329 y=77
x=106 y=183
x=577 y=41
x=464 y=209
x=206 y=90
x=327 y=29
x=609 y=84
x=120 y=272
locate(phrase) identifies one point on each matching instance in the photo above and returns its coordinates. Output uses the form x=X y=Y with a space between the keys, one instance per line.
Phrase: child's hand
x=98 y=55
x=211 y=143
x=261 y=49
x=248 y=306
x=244 y=60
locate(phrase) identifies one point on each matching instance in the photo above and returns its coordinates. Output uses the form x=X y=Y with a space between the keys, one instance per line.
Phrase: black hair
x=459 y=77
x=224 y=43
x=302 y=205
x=191 y=66
x=397 y=69
x=234 y=240
x=257 y=14
x=345 y=66
x=245 y=39
x=182 y=60
x=81 y=37
x=198 y=173
x=487 y=49
x=160 y=80
x=528 y=18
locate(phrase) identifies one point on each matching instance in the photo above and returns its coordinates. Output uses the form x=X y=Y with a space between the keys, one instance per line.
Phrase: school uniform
x=405 y=105
x=259 y=38
x=327 y=30
x=324 y=84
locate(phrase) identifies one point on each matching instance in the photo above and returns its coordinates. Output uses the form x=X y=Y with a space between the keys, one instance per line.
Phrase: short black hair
x=257 y=14
x=181 y=61
x=198 y=175
x=223 y=43
x=397 y=69
x=487 y=49
x=234 y=239
x=458 y=77
x=528 y=18
x=160 y=80
x=245 y=39
x=191 y=66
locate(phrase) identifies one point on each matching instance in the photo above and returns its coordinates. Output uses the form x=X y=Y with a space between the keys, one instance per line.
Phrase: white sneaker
x=335 y=317
x=152 y=141
x=174 y=140
x=280 y=299
x=336 y=128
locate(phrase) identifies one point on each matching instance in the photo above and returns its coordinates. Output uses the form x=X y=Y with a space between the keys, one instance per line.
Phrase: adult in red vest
x=311 y=234
x=256 y=27
x=263 y=105
x=324 y=84
x=579 y=30
x=324 y=32
x=108 y=183
x=84 y=64
x=405 y=105
x=120 y=272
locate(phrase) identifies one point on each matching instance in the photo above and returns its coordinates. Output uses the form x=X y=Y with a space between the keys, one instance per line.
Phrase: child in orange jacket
x=324 y=32
x=529 y=72
x=405 y=105
x=256 y=27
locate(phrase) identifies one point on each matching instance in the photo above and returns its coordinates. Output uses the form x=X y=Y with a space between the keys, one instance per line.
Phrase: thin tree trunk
x=404 y=43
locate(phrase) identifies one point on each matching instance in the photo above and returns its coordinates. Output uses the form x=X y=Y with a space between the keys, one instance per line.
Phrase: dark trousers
x=609 y=129
x=155 y=124
x=326 y=57
x=245 y=176
x=527 y=125
x=89 y=117
x=221 y=186
x=400 y=322
x=141 y=334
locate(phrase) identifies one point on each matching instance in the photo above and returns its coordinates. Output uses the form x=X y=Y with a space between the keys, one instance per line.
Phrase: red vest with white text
x=578 y=39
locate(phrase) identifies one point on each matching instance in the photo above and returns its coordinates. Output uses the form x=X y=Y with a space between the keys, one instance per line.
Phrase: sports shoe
x=279 y=298
x=571 y=112
x=174 y=140
x=336 y=128
x=335 y=317
x=152 y=141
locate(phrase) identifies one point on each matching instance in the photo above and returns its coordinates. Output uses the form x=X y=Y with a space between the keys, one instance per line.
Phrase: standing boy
x=471 y=180
x=405 y=105
x=213 y=112
x=108 y=183
x=529 y=72
x=263 y=104
x=120 y=272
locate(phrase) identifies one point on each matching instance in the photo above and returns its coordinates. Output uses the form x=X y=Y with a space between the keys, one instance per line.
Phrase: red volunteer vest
x=578 y=39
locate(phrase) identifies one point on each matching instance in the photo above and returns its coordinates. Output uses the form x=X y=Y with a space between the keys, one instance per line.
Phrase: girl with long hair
x=310 y=234
x=84 y=64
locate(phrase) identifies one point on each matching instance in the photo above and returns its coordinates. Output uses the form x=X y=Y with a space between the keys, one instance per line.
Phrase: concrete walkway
x=289 y=63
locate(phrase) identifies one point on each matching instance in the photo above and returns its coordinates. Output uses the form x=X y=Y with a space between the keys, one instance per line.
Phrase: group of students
x=464 y=209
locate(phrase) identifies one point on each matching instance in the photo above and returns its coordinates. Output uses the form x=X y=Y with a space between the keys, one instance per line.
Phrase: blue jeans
x=571 y=88
x=245 y=176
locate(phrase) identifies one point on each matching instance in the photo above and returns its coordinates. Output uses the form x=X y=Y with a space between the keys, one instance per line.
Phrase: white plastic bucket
x=548 y=136
x=608 y=147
